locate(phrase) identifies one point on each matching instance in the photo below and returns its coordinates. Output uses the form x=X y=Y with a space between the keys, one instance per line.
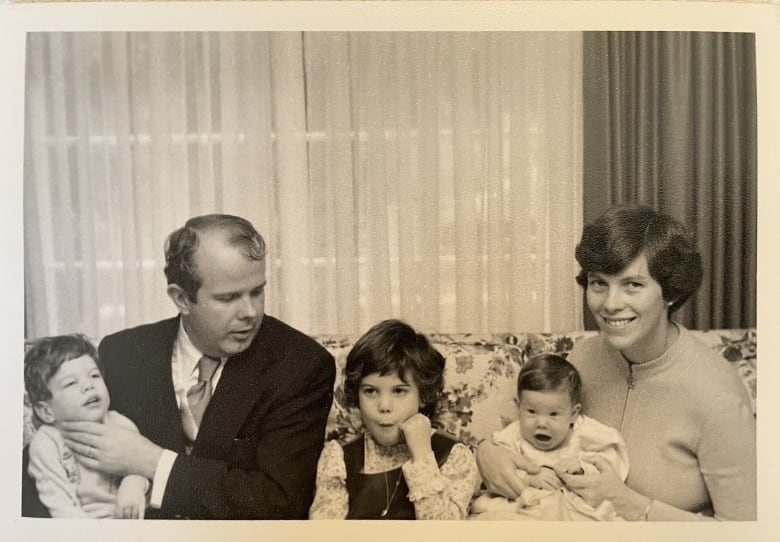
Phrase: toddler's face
x=546 y=417
x=78 y=393
x=385 y=402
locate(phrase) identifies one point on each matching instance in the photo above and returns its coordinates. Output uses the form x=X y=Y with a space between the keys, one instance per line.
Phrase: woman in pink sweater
x=682 y=411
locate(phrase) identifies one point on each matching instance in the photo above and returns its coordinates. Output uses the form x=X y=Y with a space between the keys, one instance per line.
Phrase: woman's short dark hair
x=623 y=232
x=550 y=372
x=393 y=346
x=181 y=245
x=45 y=357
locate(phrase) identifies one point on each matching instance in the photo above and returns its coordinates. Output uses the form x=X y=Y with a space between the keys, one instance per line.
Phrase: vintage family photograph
x=484 y=274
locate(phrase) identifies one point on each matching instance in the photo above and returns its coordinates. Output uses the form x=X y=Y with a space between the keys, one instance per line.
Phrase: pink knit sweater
x=688 y=424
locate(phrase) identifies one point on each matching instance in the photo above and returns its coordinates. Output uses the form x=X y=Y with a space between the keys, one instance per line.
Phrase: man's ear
x=179 y=298
x=43 y=412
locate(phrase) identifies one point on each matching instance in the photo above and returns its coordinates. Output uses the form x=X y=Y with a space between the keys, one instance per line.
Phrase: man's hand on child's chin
x=112 y=449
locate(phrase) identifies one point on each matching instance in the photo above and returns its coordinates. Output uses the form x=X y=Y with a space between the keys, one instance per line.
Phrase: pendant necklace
x=388 y=496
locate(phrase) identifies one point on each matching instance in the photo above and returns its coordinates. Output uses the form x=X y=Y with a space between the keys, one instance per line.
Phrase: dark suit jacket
x=258 y=444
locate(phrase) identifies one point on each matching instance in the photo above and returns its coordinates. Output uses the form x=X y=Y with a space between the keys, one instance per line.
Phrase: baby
x=64 y=383
x=552 y=433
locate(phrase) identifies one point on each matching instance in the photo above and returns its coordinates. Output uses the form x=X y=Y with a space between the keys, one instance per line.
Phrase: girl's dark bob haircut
x=393 y=346
x=623 y=232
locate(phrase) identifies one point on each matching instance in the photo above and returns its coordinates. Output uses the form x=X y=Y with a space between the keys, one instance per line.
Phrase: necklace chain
x=388 y=497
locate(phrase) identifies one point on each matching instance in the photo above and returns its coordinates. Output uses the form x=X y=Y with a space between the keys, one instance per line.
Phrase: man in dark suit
x=254 y=453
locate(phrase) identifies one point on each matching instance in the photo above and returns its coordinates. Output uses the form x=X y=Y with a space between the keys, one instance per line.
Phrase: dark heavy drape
x=670 y=121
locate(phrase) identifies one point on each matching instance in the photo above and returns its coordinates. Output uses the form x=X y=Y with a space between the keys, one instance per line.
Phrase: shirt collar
x=189 y=354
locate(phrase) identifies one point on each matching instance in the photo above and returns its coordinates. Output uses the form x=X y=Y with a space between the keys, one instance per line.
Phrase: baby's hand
x=569 y=465
x=417 y=434
x=131 y=498
x=546 y=479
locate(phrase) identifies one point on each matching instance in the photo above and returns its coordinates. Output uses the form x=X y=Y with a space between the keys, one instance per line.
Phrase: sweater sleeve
x=727 y=461
x=442 y=493
x=331 y=500
x=52 y=479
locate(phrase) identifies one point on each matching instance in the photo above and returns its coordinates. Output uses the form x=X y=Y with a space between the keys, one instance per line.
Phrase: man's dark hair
x=181 y=245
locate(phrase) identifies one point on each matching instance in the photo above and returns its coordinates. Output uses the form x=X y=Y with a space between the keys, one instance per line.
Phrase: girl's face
x=385 y=402
x=630 y=310
x=546 y=418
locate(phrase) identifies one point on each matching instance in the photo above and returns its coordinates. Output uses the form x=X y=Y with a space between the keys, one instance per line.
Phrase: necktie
x=198 y=397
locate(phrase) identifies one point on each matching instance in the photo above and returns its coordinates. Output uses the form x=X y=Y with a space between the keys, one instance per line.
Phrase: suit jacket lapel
x=236 y=393
x=161 y=404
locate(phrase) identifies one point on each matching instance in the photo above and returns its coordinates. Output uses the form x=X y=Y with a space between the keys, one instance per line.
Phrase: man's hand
x=598 y=487
x=417 y=434
x=131 y=498
x=498 y=467
x=112 y=449
x=545 y=479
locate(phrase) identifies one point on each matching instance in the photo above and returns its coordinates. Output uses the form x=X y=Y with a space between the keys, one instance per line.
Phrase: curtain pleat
x=434 y=177
x=670 y=121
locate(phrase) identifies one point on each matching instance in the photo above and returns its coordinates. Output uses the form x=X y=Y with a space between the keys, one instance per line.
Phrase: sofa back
x=481 y=375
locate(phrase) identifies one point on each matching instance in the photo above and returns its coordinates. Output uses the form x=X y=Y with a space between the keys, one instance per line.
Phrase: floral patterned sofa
x=481 y=375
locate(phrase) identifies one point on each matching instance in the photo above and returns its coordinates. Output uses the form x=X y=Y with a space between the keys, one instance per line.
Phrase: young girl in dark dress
x=399 y=468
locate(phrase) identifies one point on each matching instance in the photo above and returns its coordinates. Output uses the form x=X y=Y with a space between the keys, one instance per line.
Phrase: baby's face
x=546 y=418
x=78 y=393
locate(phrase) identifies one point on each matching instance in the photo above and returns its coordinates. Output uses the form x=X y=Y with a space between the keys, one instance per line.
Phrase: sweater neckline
x=664 y=360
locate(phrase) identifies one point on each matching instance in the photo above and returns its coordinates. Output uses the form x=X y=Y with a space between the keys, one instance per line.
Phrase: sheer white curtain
x=430 y=176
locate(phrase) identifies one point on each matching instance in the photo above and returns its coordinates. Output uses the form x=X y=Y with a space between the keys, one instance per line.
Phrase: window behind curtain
x=434 y=177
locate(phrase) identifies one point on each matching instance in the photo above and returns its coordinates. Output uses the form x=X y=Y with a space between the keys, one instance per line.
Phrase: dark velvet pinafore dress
x=368 y=493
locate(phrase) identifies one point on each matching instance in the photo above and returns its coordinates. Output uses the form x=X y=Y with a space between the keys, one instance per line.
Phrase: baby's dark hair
x=392 y=345
x=550 y=372
x=46 y=356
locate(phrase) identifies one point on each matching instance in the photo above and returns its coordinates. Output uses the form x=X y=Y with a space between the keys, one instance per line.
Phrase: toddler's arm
x=131 y=497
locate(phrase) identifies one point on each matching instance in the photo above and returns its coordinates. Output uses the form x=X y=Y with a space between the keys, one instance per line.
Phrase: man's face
x=226 y=316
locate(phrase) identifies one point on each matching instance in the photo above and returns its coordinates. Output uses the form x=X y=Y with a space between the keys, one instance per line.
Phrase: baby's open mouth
x=92 y=401
x=543 y=438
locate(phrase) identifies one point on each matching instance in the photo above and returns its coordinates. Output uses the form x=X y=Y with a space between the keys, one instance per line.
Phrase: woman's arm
x=442 y=493
x=331 y=500
x=727 y=459
x=498 y=468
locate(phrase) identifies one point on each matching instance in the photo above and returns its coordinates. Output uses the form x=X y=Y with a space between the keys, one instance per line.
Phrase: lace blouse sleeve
x=442 y=493
x=331 y=500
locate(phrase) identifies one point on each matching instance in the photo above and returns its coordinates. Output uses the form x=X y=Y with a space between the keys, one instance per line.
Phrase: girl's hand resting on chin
x=417 y=434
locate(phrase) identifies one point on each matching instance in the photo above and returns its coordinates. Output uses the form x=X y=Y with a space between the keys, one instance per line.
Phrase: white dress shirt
x=184 y=371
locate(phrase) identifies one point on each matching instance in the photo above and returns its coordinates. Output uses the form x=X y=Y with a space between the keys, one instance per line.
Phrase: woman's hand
x=498 y=468
x=545 y=479
x=605 y=485
x=417 y=434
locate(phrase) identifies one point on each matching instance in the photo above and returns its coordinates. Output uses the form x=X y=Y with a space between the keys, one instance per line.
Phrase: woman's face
x=630 y=310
